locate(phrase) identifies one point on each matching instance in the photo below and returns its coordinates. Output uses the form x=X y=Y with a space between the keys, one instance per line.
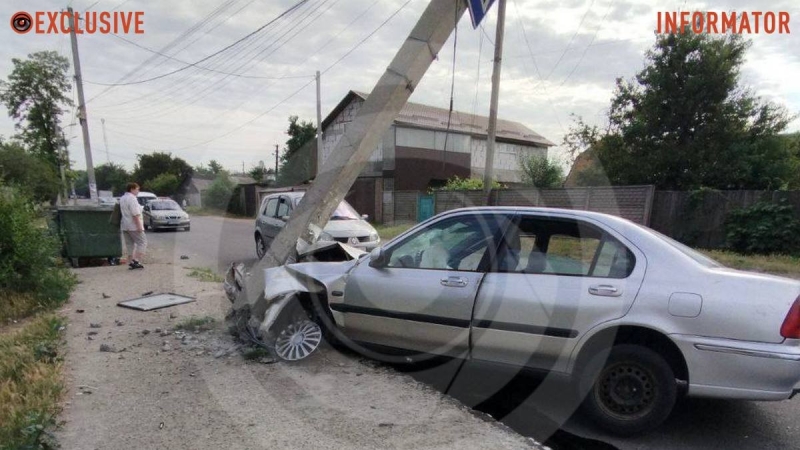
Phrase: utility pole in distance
x=276 y=162
x=319 y=121
x=488 y=174
x=82 y=116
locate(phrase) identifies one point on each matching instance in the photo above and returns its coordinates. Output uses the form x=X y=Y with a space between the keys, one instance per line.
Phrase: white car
x=635 y=318
x=165 y=214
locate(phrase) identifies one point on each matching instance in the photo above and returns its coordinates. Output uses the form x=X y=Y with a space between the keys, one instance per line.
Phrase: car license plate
x=174 y=222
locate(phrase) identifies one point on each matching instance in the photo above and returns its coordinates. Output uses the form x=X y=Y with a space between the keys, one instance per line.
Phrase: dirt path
x=171 y=390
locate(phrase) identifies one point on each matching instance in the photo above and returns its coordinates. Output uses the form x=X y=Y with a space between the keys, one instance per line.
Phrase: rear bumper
x=725 y=368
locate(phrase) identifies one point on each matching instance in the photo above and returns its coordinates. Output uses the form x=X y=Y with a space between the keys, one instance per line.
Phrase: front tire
x=630 y=392
x=261 y=246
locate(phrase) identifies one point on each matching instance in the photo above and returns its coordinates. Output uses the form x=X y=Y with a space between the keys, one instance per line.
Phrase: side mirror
x=365 y=216
x=377 y=258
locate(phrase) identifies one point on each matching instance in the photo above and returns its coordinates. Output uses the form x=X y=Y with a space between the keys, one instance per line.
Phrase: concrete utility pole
x=105 y=140
x=488 y=174
x=82 y=116
x=319 y=118
x=276 y=162
x=353 y=150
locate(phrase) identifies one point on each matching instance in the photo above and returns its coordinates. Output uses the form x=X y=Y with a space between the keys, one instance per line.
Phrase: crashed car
x=635 y=318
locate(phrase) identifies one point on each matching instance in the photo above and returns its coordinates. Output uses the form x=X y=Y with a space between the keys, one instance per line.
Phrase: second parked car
x=162 y=214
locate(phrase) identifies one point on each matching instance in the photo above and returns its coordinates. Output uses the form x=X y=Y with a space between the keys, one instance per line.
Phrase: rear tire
x=630 y=392
x=261 y=247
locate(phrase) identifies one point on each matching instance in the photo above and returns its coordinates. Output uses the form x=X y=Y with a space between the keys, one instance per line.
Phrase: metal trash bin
x=85 y=232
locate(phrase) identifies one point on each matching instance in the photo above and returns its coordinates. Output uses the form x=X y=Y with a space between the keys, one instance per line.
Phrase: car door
x=266 y=220
x=421 y=298
x=554 y=279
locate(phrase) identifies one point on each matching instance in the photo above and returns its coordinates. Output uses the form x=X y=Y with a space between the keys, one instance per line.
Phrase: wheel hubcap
x=626 y=390
x=298 y=340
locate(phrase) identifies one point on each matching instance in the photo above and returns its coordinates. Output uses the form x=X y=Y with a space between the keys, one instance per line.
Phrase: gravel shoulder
x=166 y=389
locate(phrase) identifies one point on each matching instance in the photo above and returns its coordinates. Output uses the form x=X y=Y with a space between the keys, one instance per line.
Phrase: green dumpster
x=86 y=233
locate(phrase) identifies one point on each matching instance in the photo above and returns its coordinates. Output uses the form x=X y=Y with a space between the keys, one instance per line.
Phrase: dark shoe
x=135 y=265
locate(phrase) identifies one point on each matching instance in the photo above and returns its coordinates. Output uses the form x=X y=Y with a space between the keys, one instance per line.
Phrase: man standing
x=132 y=225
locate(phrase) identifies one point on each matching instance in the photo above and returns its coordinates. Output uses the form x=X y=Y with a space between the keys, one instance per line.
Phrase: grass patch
x=197 y=324
x=205 y=274
x=30 y=384
x=388 y=232
x=255 y=353
x=774 y=264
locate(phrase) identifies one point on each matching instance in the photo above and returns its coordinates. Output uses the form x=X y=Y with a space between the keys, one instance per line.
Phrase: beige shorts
x=135 y=241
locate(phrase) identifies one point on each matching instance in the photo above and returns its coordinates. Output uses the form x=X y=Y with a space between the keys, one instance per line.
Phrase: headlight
x=374 y=237
x=325 y=237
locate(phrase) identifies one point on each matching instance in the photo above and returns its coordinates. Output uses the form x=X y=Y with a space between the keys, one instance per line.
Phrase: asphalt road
x=535 y=407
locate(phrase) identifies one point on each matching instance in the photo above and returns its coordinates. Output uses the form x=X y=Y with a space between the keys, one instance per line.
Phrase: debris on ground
x=184 y=257
x=119 y=322
x=94 y=325
x=106 y=295
x=79 y=311
x=108 y=348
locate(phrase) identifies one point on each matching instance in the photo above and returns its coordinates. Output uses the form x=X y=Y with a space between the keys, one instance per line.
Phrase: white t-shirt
x=130 y=208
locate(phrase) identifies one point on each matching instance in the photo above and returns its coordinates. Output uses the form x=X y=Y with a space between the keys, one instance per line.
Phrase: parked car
x=144 y=197
x=345 y=226
x=633 y=317
x=108 y=201
x=163 y=214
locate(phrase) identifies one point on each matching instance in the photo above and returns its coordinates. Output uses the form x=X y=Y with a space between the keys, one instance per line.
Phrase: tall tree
x=112 y=177
x=685 y=121
x=540 y=172
x=154 y=164
x=215 y=167
x=36 y=97
x=296 y=164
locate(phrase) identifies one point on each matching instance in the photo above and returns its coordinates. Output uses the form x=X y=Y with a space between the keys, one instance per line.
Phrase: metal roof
x=417 y=115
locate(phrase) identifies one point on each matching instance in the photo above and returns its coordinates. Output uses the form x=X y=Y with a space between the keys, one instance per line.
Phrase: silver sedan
x=635 y=318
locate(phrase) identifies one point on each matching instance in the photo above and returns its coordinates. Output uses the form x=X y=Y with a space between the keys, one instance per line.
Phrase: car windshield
x=163 y=205
x=343 y=212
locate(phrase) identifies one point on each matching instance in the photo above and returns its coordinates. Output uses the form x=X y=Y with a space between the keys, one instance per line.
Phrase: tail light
x=791 y=324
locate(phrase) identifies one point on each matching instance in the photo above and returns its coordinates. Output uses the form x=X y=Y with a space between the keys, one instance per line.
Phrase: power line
x=158 y=77
x=569 y=44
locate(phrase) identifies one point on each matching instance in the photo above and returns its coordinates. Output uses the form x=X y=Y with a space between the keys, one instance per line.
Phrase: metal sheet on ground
x=156 y=301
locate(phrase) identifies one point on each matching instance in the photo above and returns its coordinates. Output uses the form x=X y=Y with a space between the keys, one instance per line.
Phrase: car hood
x=349 y=228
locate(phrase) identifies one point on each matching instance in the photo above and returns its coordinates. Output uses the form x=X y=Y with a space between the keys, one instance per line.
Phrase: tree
x=296 y=165
x=686 y=122
x=203 y=171
x=151 y=166
x=36 y=97
x=112 y=177
x=540 y=172
x=258 y=173
x=468 y=184
x=214 y=167
x=29 y=174
x=219 y=193
x=164 y=185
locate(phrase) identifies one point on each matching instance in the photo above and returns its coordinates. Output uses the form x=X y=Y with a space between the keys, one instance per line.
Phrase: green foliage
x=219 y=193
x=112 y=177
x=81 y=181
x=297 y=160
x=540 y=172
x=29 y=252
x=203 y=172
x=28 y=173
x=150 y=166
x=686 y=121
x=30 y=363
x=214 y=167
x=196 y=323
x=36 y=95
x=164 y=185
x=468 y=184
x=261 y=173
x=763 y=228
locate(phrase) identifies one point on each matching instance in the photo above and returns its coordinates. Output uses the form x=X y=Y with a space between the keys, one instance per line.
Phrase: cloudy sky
x=560 y=58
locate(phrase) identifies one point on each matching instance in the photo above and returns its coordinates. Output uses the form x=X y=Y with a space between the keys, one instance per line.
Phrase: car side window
x=272 y=207
x=558 y=246
x=283 y=207
x=457 y=243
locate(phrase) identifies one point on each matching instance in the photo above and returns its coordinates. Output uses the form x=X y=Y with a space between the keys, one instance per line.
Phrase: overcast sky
x=561 y=58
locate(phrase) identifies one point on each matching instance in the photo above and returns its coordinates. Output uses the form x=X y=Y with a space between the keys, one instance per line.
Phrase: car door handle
x=605 y=290
x=454 y=282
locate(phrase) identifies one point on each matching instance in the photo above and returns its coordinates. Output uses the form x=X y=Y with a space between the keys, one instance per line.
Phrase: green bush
x=29 y=261
x=219 y=193
x=763 y=228
x=468 y=184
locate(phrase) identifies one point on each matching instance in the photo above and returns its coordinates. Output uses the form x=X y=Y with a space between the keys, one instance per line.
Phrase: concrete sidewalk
x=168 y=390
